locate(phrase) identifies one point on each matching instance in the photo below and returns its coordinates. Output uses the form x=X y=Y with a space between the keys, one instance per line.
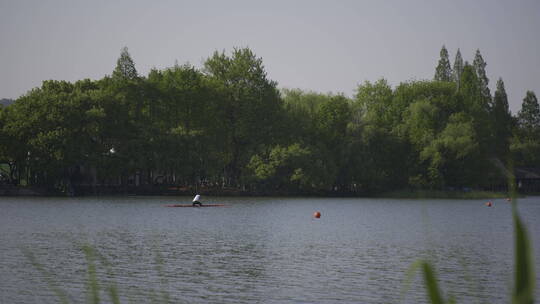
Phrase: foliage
x=458 y=67
x=525 y=144
x=529 y=116
x=250 y=104
x=502 y=121
x=227 y=125
x=289 y=168
x=480 y=68
x=443 y=72
x=125 y=67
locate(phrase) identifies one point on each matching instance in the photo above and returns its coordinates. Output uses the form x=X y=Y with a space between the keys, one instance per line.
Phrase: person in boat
x=196 y=201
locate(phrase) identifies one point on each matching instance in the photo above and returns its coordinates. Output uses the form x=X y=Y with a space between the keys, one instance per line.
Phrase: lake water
x=259 y=250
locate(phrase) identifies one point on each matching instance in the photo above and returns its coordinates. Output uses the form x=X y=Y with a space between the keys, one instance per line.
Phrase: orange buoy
x=489 y=204
x=317 y=214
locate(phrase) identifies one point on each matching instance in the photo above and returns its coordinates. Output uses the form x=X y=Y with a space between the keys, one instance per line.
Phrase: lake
x=260 y=250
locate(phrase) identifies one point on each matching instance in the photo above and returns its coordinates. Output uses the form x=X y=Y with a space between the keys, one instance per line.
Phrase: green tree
x=529 y=115
x=301 y=110
x=525 y=145
x=453 y=155
x=429 y=106
x=332 y=119
x=183 y=120
x=378 y=156
x=125 y=67
x=8 y=150
x=502 y=120
x=56 y=125
x=475 y=104
x=129 y=106
x=251 y=107
x=458 y=67
x=373 y=104
x=443 y=72
x=480 y=69
x=294 y=167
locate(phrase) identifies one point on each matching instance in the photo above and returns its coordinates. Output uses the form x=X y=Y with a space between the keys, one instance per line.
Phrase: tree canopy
x=228 y=126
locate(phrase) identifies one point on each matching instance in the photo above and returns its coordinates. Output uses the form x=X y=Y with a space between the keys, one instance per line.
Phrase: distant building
x=527 y=179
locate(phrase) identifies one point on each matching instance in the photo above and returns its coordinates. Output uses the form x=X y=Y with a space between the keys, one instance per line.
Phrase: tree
x=332 y=119
x=56 y=124
x=458 y=67
x=125 y=67
x=525 y=145
x=454 y=154
x=251 y=107
x=8 y=150
x=480 y=69
x=443 y=72
x=289 y=168
x=478 y=107
x=183 y=123
x=502 y=120
x=373 y=104
x=529 y=115
x=377 y=154
x=301 y=109
x=125 y=92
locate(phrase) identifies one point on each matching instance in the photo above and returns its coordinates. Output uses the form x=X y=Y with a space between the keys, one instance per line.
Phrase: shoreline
x=14 y=191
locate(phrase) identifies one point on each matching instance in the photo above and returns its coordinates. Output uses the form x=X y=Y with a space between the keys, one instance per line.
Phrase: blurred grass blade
x=409 y=276
x=165 y=297
x=524 y=271
x=92 y=284
x=434 y=293
x=48 y=277
x=113 y=293
x=524 y=279
x=111 y=288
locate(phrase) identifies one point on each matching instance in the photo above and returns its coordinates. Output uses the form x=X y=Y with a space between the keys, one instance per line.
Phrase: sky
x=323 y=46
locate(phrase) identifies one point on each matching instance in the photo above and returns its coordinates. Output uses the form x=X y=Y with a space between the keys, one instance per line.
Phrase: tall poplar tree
x=458 y=67
x=502 y=119
x=480 y=68
x=133 y=119
x=125 y=67
x=443 y=72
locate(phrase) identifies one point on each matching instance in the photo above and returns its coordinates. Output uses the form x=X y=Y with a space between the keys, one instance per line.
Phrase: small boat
x=196 y=203
x=196 y=206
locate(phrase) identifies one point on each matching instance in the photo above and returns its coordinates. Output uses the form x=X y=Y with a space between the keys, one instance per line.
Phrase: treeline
x=228 y=125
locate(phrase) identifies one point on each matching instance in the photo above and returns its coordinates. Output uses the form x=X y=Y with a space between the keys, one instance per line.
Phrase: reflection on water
x=259 y=249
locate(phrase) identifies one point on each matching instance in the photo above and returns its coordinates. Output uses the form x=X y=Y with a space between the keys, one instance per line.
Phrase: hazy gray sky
x=314 y=45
